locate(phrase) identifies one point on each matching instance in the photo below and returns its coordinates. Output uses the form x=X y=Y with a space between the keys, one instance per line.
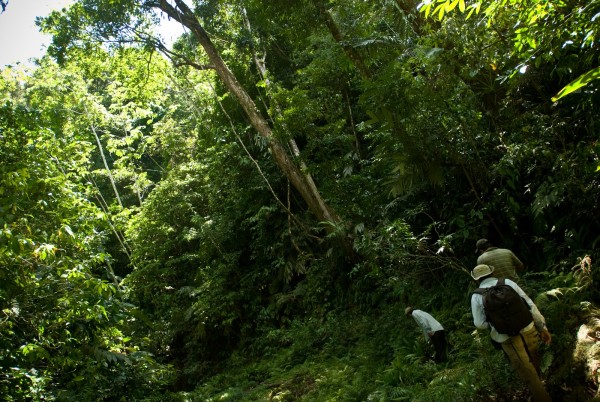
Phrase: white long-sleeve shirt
x=479 y=318
x=427 y=323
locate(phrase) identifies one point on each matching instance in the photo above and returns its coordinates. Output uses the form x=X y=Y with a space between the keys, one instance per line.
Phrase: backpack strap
x=483 y=291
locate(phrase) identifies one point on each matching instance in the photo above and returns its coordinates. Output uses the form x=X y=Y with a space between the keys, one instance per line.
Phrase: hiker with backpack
x=433 y=331
x=514 y=321
x=505 y=261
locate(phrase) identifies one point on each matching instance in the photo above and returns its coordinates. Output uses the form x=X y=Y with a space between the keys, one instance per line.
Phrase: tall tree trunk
x=108 y=171
x=409 y=9
x=337 y=34
x=262 y=69
x=182 y=13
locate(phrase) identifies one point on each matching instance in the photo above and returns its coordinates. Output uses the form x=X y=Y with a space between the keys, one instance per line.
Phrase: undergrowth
x=379 y=354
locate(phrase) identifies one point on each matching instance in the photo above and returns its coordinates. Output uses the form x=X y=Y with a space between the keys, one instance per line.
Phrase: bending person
x=433 y=331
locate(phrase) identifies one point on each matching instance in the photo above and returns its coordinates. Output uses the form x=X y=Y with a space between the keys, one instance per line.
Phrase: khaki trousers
x=522 y=351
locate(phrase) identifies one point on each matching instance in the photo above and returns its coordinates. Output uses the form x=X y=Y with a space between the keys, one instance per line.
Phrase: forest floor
x=380 y=355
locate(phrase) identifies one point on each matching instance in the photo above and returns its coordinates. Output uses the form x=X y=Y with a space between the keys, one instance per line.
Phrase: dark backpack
x=508 y=312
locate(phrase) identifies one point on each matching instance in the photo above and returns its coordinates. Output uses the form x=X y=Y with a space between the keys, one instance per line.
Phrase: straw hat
x=481 y=270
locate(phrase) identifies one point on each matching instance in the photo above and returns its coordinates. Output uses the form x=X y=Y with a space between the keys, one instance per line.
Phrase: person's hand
x=546 y=336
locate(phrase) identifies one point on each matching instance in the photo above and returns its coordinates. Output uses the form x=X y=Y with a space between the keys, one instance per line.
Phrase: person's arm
x=538 y=318
x=516 y=262
x=479 y=318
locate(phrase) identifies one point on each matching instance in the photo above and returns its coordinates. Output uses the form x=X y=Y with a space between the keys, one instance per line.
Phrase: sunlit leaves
x=56 y=297
x=44 y=250
x=120 y=21
x=441 y=8
x=578 y=83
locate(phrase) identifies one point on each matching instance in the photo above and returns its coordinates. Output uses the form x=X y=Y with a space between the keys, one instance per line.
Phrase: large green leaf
x=578 y=83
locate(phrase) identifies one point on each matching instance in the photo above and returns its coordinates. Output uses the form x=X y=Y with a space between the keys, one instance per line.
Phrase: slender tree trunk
x=182 y=13
x=357 y=137
x=110 y=176
x=405 y=5
x=409 y=9
x=337 y=34
x=260 y=66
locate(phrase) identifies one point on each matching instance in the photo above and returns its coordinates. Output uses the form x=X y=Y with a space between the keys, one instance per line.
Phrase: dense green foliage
x=154 y=247
x=66 y=323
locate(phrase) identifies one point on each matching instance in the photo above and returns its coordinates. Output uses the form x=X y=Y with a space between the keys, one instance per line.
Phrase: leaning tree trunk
x=182 y=13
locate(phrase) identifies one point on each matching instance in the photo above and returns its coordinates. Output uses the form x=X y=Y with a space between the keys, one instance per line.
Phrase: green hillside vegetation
x=244 y=216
